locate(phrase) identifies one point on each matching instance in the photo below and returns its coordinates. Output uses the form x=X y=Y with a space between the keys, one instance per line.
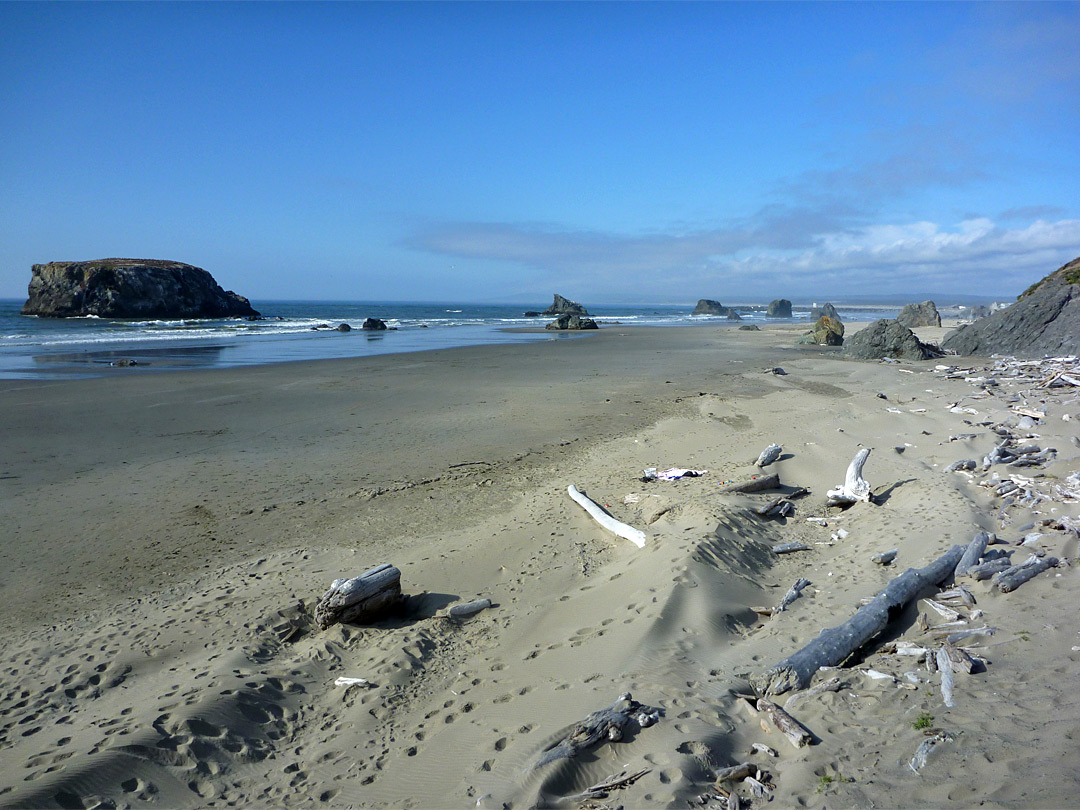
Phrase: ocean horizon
x=33 y=347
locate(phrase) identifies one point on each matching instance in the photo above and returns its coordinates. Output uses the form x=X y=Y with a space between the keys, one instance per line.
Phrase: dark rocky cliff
x=130 y=288
x=1044 y=320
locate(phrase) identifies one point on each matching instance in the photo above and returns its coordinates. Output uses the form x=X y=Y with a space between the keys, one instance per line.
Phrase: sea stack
x=130 y=288
x=564 y=306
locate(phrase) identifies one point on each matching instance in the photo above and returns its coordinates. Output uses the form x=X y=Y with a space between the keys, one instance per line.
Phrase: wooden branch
x=368 y=596
x=831 y=685
x=758 y=483
x=787 y=548
x=972 y=554
x=781 y=507
x=793 y=593
x=635 y=536
x=769 y=455
x=836 y=644
x=601 y=789
x=988 y=569
x=605 y=724
x=785 y=723
x=736 y=773
x=1012 y=578
x=944 y=665
x=468 y=609
x=855 y=487
x=885 y=557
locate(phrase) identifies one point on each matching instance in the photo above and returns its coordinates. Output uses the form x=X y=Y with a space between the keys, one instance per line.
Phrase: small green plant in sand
x=827 y=780
x=926 y=720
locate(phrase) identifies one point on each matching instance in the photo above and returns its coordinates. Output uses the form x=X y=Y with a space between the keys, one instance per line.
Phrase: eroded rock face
x=915 y=315
x=130 y=288
x=564 y=306
x=827 y=310
x=887 y=338
x=572 y=322
x=780 y=308
x=1045 y=320
x=828 y=332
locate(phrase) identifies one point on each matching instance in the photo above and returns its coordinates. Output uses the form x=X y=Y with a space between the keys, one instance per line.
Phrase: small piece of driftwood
x=918 y=762
x=965 y=465
x=972 y=554
x=855 y=487
x=947 y=613
x=833 y=645
x=736 y=773
x=468 y=609
x=762 y=748
x=758 y=483
x=769 y=455
x=831 y=685
x=959 y=660
x=944 y=665
x=605 y=724
x=885 y=557
x=793 y=593
x=618 y=528
x=1012 y=578
x=601 y=789
x=777 y=507
x=988 y=569
x=785 y=723
x=787 y=548
x=368 y=596
x=961 y=593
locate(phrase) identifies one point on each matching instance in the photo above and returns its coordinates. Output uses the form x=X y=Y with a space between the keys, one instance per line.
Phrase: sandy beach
x=166 y=538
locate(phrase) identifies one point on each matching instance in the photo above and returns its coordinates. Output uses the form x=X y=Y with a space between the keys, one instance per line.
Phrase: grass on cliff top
x=1069 y=274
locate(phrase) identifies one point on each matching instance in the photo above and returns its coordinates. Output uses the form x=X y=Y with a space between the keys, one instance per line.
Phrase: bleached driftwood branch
x=793 y=593
x=972 y=554
x=835 y=644
x=618 y=528
x=885 y=557
x=756 y=484
x=785 y=723
x=367 y=596
x=855 y=487
x=605 y=724
x=1012 y=578
x=467 y=609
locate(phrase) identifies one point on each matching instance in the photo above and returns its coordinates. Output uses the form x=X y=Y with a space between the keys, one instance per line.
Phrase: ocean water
x=32 y=347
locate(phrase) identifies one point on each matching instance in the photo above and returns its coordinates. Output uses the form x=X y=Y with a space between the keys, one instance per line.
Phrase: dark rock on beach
x=564 y=322
x=780 y=308
x=130 y=288
x=531 y=314
x=887 y=338
x=374 y=324
x=564 y=306
x=915 y=315
x=1045 y=320
x=344 y=327
x=750 y=327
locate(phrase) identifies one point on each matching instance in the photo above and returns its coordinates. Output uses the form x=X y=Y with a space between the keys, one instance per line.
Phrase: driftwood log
x=368 y=596
x=972 y=554
x=758 y=483
x=793 y=593
x=467 y=609
x=605 y=724
x=785 y=723
x=885 y=557
x=855 y=487
x=616 y=527
x=1012 y=578
x=835 y=644
x=787 y=548
x=988 y=569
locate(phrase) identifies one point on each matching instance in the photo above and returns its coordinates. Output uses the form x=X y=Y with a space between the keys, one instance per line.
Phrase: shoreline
x=169 y=535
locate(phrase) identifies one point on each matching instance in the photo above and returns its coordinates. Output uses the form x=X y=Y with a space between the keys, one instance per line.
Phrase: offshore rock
x=706 y=306
x=780 y=308
x=915 y=315
x=572 y=322
x=373 y=324
x=887 y=338
x=825 y=309
x=564 y=306
x=1045 y=320
x=130 y=288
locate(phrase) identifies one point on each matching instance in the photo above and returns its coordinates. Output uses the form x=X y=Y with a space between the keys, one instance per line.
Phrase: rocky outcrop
x=1045 y=320
x=706 y=306
x=826 y=332
x=780 y=308
x=915 y=315
x=373 y=324
x=564 y=306
x=887 y=338
x=825 y=310
x=130 y=288
x=572 y=322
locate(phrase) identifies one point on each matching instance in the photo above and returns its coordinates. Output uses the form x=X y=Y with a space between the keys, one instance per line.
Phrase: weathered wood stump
x=368 y=596
x=605 y=724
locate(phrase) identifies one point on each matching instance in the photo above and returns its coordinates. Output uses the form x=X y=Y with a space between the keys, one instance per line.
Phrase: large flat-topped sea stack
x=130 y=288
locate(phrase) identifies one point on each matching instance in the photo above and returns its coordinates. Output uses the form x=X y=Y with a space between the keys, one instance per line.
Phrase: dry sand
x=166 y=536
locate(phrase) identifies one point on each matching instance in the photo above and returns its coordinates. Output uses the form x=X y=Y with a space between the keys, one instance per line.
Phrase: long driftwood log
x=616 y=527
x=757 y=483
x=1012 y=578
x=368 y=596
x=605 y=724
x=835 y=644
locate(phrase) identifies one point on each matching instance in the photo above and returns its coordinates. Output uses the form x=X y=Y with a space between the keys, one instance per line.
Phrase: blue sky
x=505 y=151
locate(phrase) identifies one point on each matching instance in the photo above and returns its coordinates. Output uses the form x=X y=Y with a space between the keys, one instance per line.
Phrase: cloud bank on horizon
x=500 y=152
